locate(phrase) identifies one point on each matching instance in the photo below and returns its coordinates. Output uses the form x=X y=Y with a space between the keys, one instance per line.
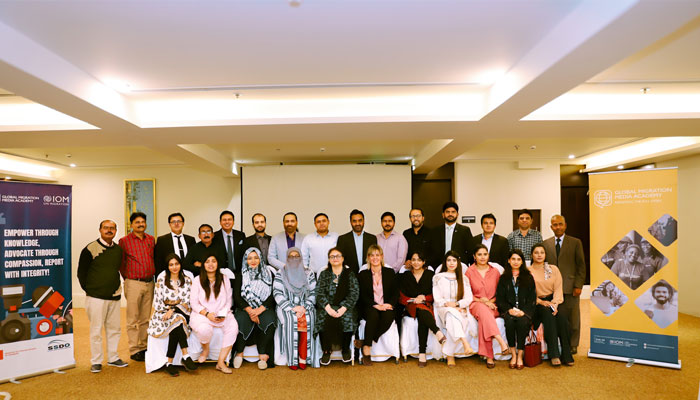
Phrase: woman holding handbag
x=515 y=298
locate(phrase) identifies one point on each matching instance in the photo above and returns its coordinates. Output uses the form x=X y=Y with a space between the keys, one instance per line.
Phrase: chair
x=387 y=346
x=250 y=353
x=472 y=339
x=409 y=339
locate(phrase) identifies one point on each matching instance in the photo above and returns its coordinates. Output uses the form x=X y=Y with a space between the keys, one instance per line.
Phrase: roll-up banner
x=634 y=266
x=36 y=320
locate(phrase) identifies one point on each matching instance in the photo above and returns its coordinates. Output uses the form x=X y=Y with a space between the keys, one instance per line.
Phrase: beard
x=661 y=300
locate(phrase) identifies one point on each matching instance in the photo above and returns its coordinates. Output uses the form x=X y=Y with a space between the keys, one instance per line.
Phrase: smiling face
x=388 y=223
x=205 y=235
x=375 y=259
x=211 y=265
x=176 y=224
x=481 y=256
x=451 y=263
x=321 y=223
x=290 y=223
x=631 y=254
x=538 y=255
x=253 y=260
x=646 y=247
x=259 y=223
x=138 y=225
x=226 y=222
x=416 y=262
x=488 y=225
x=357 y=221
x=417 y=218
x=450 y=215
x=515 y=261
x=174 y=267
x=661 y=294
x=524 y=221
x=107 y=231
x=335 y=258
x=558 y=226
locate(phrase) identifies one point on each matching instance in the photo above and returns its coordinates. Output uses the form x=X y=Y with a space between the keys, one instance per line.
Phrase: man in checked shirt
x=138 y=268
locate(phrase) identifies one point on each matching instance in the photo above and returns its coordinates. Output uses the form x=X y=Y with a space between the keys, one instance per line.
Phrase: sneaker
x=189 y=364
x=118 y=363
x=172 y=370
x=140 y=356
x=262 y=364
x=95 y=368
x=347 y=356
x=326 y=358
x=238 y=361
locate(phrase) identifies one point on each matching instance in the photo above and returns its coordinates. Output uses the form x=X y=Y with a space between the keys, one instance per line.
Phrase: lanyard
x=515 y=287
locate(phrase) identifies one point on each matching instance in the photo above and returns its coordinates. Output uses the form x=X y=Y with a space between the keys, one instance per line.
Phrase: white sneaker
x=262 y=364
x=237 y=361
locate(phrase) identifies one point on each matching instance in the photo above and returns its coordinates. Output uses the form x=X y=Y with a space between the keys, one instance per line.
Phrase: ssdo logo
x=58 y=345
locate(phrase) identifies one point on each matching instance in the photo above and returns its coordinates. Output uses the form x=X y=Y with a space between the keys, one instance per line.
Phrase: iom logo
x=56 y=344
x=57 y=200
x=603 y=198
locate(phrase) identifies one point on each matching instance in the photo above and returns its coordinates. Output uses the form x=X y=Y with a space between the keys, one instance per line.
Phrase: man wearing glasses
x=193 y=261
x=173 y=242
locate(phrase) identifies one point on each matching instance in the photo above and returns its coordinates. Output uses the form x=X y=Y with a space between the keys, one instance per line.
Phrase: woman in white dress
x=453 y=295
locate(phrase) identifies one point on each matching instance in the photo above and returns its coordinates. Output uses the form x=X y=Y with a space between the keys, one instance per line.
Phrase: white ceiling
x=368 y=81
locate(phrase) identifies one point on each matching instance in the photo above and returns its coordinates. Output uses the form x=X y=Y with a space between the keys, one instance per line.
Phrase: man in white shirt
x=394 y=244
x=315 y=248
x=663 y=312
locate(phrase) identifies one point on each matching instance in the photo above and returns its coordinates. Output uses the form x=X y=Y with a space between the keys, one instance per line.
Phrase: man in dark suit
x=566 y=252
x=260 y=240
x=456 y=236
x=173 y=242
x=355 y=243
x=230 y=241
x=497 y=244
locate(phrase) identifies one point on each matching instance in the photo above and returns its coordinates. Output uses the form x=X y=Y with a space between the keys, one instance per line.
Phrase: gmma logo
x=603 y=198
x=57 y=345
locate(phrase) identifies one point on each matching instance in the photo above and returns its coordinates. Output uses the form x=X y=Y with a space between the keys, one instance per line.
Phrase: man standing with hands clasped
x=566 y=252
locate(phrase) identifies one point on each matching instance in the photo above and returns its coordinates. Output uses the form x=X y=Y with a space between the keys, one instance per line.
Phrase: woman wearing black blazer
x=516 y=296
x=379 y=295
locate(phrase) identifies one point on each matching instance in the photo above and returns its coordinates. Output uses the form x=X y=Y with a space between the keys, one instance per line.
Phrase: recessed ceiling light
x=72 y=165
x=620 y=167
x=571 y=156
x=7 y=178
x=645 y=90
x=533 y=147
x=294 y=3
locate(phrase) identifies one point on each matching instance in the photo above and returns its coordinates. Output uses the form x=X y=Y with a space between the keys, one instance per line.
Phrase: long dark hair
x=458 y=272
x=525 y=278
x=420 y=257
x=479 y=247
x=204 y=279
x=169 y=275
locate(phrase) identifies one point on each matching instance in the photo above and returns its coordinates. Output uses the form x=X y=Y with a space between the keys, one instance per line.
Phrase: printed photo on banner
x=665 y=230
x=660 y=303
x=608 y=297
x=634 y=260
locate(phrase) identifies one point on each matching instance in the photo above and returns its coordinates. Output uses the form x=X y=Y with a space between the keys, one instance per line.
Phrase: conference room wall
x=98 y=194
x=499 y=187
x=688 y=222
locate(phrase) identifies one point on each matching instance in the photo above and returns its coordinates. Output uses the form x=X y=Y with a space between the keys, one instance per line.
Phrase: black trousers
x=263 y=340
x=556 y=331
x=517 y=329
x=426 y=321
x=177 y=336
x=376 y=323
x=332 y=334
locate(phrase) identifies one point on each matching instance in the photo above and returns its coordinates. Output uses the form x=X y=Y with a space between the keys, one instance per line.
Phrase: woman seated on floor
x=336 y=297
x=294 y=290
x=211 y=300
x=171 y=302
x=483 y=279
x=416 y=295
x=452 y=298
x=255 y=308
x=379 y=295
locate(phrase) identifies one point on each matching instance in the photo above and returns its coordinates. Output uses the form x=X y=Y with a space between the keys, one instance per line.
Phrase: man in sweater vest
x=98 y=273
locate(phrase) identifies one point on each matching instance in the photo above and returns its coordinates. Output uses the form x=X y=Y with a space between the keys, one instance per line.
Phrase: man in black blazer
x=173 y=242
x=461 y=236
x=230 y=241
x=260 y=240
x=346 y=243
x=497 y=244
x=566 y=252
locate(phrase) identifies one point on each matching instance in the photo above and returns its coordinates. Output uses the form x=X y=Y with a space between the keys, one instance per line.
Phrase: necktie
x=180 y=247
x=558 y=246
x=229 y=251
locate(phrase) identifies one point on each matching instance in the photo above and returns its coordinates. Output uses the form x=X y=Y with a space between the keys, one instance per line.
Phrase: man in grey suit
x=277 y=253
x=566 y=252
x=354 y=244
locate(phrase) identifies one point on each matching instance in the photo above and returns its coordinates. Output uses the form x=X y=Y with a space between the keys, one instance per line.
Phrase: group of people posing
x=320 y=286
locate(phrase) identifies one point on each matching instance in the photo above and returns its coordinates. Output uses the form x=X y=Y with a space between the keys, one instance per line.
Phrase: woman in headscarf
x=255 y=308
x=294 y=290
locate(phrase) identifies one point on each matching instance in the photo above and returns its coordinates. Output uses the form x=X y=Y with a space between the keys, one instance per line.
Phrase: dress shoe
x=574 y=350
x=347 y=356
x=224 y=369
x=189 y=364
x=172 y=370
x=326 y=358
x=140 y=356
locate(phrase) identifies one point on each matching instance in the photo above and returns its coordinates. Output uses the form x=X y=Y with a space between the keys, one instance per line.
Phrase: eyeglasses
x=294 y=257
x=204 y=232
x=177 y=221
x=335 y=256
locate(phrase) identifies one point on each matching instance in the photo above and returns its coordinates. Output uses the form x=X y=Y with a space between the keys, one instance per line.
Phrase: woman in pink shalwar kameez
x=484 y=280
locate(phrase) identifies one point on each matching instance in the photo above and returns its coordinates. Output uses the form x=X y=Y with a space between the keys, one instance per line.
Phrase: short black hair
x=450 y=204
x=356 y=212
x=135 y=215
x=416 y=208
x=388 y=214
x=321 y=215
x=525 y=211
x=226 y=212
x=177 y=214
x=665 y=284
x=489 y=215
x=252 y=219
x=290 y=213
x=205 y=225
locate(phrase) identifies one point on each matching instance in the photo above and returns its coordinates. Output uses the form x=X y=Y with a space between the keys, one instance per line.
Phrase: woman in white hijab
x=295 y=295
